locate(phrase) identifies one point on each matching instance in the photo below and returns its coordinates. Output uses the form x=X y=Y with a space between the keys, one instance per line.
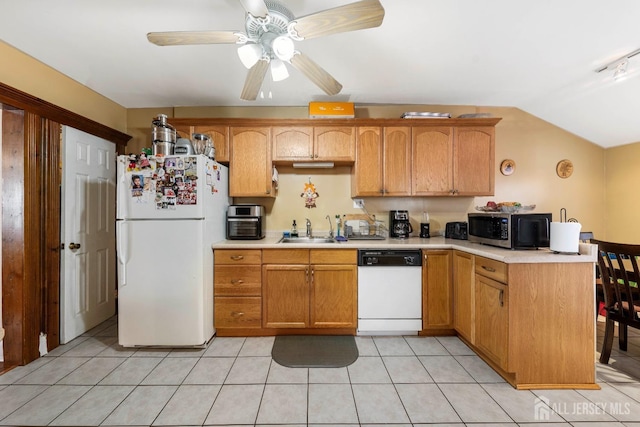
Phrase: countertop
x=587 y=251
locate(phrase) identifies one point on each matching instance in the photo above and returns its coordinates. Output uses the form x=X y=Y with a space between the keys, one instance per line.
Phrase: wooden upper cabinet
x=397 y=161
x=474 y=161
x=453 y=161
x=250 y=162
x=432 y=165
x=184 y=131
x=334 y=143
x=220 y=137
x=292 y=143
x=383 y=162
x=366 y=174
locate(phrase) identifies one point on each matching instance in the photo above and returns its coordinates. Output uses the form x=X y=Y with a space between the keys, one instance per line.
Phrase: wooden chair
x=587 y=237
x=618 y=265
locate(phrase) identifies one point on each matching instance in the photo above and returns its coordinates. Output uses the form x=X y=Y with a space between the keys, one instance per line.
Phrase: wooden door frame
x=32 y=174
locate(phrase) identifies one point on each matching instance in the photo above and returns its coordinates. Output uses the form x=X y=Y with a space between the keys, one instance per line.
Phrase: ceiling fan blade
x=254 y=80
x=256 y=8
x=171 y=38
x=350 y=17
x=316 y=74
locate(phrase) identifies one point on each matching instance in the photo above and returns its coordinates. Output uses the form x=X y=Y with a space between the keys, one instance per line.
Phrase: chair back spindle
x=618 y=267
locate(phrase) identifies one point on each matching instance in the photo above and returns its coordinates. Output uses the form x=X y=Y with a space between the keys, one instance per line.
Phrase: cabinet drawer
x=492 y=269
x=285 y=256
x=334 y=256
x=237 y=256
x=233 y=312
x=233 y=281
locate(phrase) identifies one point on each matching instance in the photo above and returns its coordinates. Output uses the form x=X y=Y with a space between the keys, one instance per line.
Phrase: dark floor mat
x=315 y=351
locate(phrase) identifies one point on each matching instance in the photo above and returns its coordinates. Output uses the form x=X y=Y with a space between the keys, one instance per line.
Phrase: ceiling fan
x=268 y=40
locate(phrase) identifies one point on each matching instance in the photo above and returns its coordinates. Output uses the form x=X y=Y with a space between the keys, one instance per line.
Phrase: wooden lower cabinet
x=437 y=291
x=309 y=288
x=533 y=323
x=492 y=323
x=333 y=296
x=286 y=295
x=464 y=295
x=237 y=289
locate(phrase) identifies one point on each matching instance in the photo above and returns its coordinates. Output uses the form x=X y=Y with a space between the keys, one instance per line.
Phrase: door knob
x=74 y=245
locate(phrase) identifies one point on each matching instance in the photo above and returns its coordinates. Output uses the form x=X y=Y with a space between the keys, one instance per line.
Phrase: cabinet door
x=397 y=161
x=220 y=137
x=463 y=294
x=474 y=160
x=292 y=143
x=437 y=290
x=285 y=296
x=432 y=166
x=250 y=163
x=366 y=174
x=335 y=143
x=333 y=296
x=183 y=131
x=492 y=321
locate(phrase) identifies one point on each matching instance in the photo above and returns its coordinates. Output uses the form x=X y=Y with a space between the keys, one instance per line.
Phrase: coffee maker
x=399 y=225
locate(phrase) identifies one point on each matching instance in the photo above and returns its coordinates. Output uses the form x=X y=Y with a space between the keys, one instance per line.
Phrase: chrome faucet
x=330 y=227
x=308 y=227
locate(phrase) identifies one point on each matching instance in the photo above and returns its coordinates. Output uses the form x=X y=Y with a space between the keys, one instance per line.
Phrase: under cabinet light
x=314 y=165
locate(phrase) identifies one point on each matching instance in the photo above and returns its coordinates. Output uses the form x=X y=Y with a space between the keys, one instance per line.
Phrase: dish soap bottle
x=294 y=229
x=338 y=224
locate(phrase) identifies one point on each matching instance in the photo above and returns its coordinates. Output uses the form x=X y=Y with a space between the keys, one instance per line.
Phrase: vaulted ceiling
x=539 y=56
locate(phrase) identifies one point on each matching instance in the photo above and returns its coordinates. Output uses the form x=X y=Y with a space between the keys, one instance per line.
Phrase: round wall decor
x=507 y=167
x=564 y=168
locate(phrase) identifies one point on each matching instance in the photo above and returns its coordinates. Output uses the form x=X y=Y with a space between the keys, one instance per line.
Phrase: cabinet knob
x=501 y=298
x=237 y=281
x=237 y=257
x=237 y=313
x=490 y=269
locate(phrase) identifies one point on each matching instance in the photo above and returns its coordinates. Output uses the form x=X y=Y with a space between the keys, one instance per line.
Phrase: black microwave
x=510 y=230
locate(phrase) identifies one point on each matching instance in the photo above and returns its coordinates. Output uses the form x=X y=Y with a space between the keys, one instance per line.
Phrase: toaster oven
x=246 y=222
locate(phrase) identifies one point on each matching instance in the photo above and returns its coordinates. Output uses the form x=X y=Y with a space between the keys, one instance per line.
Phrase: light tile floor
x=396 y=380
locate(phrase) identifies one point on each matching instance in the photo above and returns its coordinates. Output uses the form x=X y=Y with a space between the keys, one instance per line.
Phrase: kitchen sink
x=303 y=239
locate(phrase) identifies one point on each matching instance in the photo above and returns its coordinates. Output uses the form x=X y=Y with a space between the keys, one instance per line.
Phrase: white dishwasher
x=389 y=292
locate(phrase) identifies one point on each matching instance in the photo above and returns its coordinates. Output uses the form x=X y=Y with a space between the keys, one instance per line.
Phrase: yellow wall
x=535 y=145
x=622 y=177
x=24 y=73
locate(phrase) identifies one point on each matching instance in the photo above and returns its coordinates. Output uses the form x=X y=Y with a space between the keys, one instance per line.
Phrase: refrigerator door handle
x=122 y=237
x=122 y=187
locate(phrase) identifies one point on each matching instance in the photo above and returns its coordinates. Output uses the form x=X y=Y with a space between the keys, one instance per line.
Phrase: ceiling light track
x=616 y=64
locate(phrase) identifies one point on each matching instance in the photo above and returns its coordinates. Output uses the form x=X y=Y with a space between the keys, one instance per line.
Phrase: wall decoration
x=310 y=195
x=564 y=168
x=507 y=167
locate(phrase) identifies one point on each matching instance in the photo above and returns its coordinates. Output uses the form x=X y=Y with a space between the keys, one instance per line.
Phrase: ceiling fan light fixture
x=279 y=70
x=249 y=54
x=283 y=48
x=620 y=71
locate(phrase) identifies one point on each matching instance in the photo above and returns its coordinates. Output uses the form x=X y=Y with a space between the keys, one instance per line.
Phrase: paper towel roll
x=565 y=237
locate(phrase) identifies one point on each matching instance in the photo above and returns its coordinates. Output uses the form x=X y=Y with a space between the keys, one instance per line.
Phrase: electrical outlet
x=358 y=203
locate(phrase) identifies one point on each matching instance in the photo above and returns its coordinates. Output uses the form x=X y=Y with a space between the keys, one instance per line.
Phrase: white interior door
x=88 y=282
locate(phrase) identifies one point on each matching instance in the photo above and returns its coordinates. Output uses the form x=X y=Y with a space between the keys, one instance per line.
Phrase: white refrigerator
x=169 y=212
